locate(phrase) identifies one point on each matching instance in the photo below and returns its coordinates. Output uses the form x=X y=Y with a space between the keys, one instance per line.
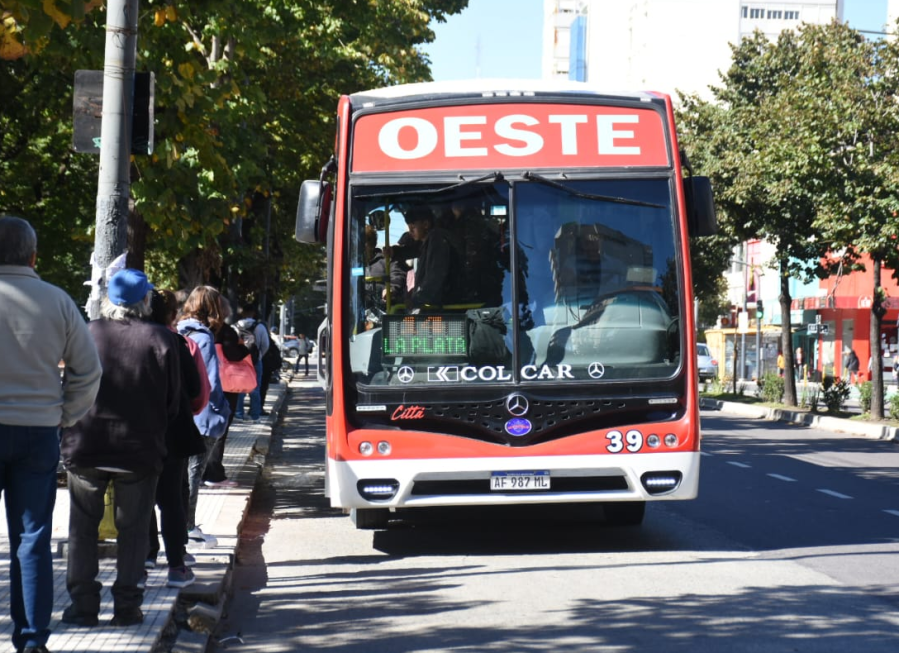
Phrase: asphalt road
x=792 y=546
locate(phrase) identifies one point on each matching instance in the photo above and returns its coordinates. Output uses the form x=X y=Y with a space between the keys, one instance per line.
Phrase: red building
x=845 y=313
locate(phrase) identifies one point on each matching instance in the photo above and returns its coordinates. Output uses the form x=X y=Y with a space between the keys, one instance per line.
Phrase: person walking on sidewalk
x=202 y=316
x=33 y=405
x=304 y=348
x=255 y=335
x=121 y=441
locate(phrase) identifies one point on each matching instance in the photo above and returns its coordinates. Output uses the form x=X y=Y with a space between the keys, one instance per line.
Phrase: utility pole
x=114 y=183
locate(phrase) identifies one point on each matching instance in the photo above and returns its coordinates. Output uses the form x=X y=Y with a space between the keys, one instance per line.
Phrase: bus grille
x=549 y=419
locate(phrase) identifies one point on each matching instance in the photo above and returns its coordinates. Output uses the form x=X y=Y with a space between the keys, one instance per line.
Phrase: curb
x=199 y=608
x=836 y=424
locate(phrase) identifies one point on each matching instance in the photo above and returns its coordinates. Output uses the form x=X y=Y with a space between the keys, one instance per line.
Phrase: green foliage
x=865 y=391
x=246 y=95
x=835 y=394
x=771 y=386
x=894 y=407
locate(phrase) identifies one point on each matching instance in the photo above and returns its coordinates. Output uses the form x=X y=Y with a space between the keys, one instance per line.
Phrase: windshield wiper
x=531 y=176
x=492 y=177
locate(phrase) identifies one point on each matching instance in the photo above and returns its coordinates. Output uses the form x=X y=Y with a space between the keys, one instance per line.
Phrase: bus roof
x=478 y=88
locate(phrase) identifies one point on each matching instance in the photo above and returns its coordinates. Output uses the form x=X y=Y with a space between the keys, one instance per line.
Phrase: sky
x=503 y=38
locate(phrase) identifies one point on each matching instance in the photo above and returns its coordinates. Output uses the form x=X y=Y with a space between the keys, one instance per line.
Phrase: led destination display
x=426 y=335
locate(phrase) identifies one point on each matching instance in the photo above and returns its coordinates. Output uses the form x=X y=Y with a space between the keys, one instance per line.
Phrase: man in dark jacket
x=120 y=441
x=438 y=262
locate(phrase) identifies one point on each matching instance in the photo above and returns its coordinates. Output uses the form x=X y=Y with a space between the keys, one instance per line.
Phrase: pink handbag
x=236 y=376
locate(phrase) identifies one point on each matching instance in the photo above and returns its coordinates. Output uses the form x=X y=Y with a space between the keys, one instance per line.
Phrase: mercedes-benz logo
x=405 y=374
x=517 y=405
x=596 y=370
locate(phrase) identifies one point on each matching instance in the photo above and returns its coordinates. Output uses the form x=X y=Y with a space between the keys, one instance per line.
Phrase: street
x=790 y=547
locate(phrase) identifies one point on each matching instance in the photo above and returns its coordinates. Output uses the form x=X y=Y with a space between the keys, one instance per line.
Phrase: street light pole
x=114 y=179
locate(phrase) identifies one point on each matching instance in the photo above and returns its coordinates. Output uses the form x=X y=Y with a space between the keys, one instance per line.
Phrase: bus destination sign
x=416 y=336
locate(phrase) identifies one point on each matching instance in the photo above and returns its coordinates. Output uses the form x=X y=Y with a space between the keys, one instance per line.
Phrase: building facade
x=661 y=45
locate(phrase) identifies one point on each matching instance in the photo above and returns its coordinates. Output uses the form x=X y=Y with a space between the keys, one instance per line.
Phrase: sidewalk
x=836 y=424
x=220 y=512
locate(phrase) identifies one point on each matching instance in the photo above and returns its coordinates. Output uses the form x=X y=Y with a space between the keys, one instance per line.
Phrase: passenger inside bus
x=376 y=277
x=478 y=243
x=436 y=271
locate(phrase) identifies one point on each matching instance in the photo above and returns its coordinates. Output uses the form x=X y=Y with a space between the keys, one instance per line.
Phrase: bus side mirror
x=313 y=211
x=701 y=220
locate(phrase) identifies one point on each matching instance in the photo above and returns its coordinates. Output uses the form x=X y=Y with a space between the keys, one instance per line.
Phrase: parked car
x=290 y=345
x=708 y=366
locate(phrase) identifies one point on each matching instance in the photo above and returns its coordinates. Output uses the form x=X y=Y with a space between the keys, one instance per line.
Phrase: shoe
x=240 y=416
x=197 y=537
x=180 y=577
x=131 y=617
x=150 y=563
x=189 y=560
x=34 y=649
x=225 y=483
x=142 y=583
x=72 y=617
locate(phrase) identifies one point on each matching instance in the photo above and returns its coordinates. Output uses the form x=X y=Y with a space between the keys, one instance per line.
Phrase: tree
x=863 y=215
x=246 y=92
x=769 y=152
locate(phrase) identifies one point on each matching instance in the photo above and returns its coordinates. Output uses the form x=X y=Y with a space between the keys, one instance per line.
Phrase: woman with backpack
x=202 y=317
x=229 y=346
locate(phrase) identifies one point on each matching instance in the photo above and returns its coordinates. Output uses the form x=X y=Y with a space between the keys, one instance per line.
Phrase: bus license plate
x=505 y=481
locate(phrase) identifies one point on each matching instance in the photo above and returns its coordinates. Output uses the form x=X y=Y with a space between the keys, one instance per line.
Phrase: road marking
x=895 y=513
x=782 y=478
x=743 y=465
x=704 y=453
x=835 y=494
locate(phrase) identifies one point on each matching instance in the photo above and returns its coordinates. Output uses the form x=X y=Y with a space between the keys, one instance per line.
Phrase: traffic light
x=759 y=310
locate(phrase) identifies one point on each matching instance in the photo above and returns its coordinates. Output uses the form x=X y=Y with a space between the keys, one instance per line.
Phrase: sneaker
x=35 y=649
x=73 y=617
x=150 y=563
x=180 y=577
x=197 y=537
x=131 y=617
x=189 y=560
x=224 y=483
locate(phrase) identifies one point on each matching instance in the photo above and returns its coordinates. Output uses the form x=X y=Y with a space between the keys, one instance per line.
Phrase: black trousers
x=170 y=495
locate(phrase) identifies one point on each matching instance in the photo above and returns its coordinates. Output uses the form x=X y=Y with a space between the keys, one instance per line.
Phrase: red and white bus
x=509 y=299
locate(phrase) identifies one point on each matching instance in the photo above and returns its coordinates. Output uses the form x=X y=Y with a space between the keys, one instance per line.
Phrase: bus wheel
x=368 y=519
x=625 y=513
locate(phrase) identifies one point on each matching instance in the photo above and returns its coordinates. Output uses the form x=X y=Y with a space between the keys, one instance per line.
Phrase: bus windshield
x=514 y=282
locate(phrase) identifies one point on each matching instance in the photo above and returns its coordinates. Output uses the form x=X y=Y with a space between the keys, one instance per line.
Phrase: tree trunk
x=877 y=313
x=786 y=339
x=137 y=239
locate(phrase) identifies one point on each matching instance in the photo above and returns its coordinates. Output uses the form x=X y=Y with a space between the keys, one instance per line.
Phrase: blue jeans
x=255 y=396
x=29 y=456
x=196 y=465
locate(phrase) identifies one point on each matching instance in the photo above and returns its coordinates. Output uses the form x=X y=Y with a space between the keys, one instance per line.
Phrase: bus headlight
x=661 y=482
x=653 y=440
x=366 y=448
x=384 y=448
x=377 y=489
x=671 y=440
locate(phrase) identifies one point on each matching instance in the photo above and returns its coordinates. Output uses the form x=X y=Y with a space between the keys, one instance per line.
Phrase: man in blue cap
x=33 y=405
x=121 y=441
